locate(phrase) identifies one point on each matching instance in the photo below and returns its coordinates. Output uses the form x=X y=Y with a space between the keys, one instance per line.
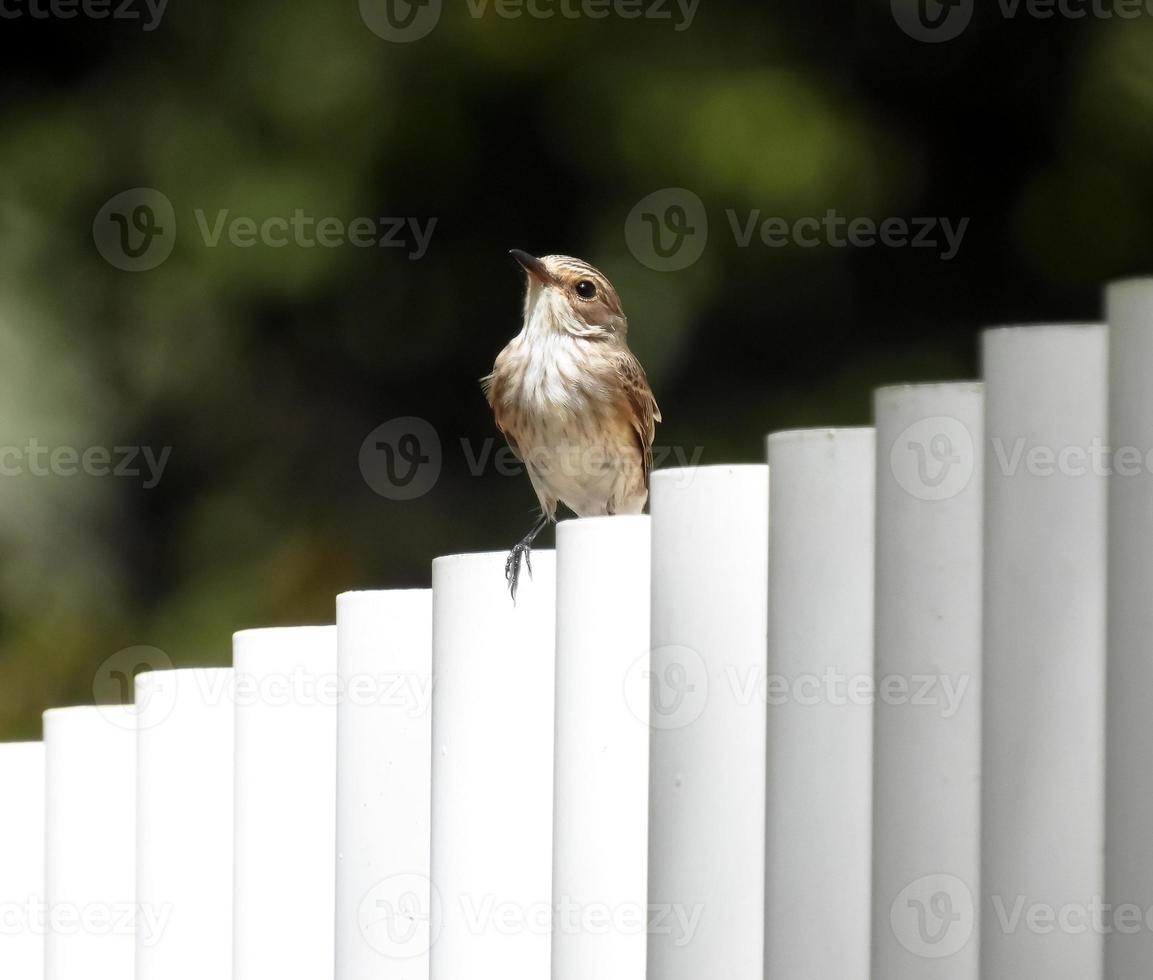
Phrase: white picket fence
x=856 y=725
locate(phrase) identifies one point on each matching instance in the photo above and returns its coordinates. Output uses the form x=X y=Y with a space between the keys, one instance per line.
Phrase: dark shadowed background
x=261 y=362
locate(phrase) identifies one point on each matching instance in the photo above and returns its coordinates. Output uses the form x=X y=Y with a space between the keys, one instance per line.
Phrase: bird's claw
x=512 y=566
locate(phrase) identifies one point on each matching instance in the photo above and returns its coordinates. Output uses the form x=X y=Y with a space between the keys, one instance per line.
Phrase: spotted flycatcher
x=572 y=400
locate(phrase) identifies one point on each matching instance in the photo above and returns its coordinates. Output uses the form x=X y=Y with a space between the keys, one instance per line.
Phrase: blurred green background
x=265 y=369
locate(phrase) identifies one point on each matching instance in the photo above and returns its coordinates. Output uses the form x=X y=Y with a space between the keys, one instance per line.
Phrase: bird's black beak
x=532 y=265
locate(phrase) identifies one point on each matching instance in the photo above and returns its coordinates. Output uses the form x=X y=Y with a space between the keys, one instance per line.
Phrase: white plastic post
x=1129 y=775
x=820 y=722
x=492 y=765
x=1044 y=666
x=707 y=753
x=600 y=811
x=22 y=860
x=184 y=813
x=90 y=843
x=384 y=785
x=285 y=869
x=927 y=739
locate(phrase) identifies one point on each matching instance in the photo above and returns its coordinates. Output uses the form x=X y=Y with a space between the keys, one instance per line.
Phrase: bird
x=572 y=400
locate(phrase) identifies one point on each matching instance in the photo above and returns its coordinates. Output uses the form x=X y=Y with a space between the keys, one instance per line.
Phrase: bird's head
x=566 y=295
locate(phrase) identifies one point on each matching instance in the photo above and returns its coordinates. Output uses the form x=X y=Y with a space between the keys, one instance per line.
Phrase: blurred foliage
x=265 y=368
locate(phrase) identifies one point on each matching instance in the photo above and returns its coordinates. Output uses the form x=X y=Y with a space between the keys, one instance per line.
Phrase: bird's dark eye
x=586 y=289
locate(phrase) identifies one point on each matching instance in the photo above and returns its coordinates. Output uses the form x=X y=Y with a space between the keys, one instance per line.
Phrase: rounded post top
x=260 y=649
x=380 y=595
x=16 y=747
x=179 y=672
x=82 y=714
x=1131 y=284
x=173 y=679
x=72 y=711
x=1129 y=302
x=484 y=559
x=603 y=518
x=282 y=633
x=1030 y=347
x=382 y=606
x=839 y=433
x=622 y=527
x=930 y=388
x=681 y=476
x=1039 y=329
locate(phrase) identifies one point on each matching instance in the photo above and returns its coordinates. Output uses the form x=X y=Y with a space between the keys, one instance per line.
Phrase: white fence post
x=493 y=669
x=707 y=755
x=184 y=820
x=1044 y=663
x=600 y=811
x=927 y=739
x=820 y=720
x=22 y=859
x=285 y=871
x=1129 y=774
x=90 y=842
x=383 y=780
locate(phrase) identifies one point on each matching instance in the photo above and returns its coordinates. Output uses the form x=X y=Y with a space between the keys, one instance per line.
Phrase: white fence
x=865 y=723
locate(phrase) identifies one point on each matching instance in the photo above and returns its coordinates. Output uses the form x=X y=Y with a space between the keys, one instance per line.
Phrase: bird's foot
x=512 y=566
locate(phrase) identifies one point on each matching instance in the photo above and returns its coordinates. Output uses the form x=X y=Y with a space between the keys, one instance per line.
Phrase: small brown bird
x=572 y=400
